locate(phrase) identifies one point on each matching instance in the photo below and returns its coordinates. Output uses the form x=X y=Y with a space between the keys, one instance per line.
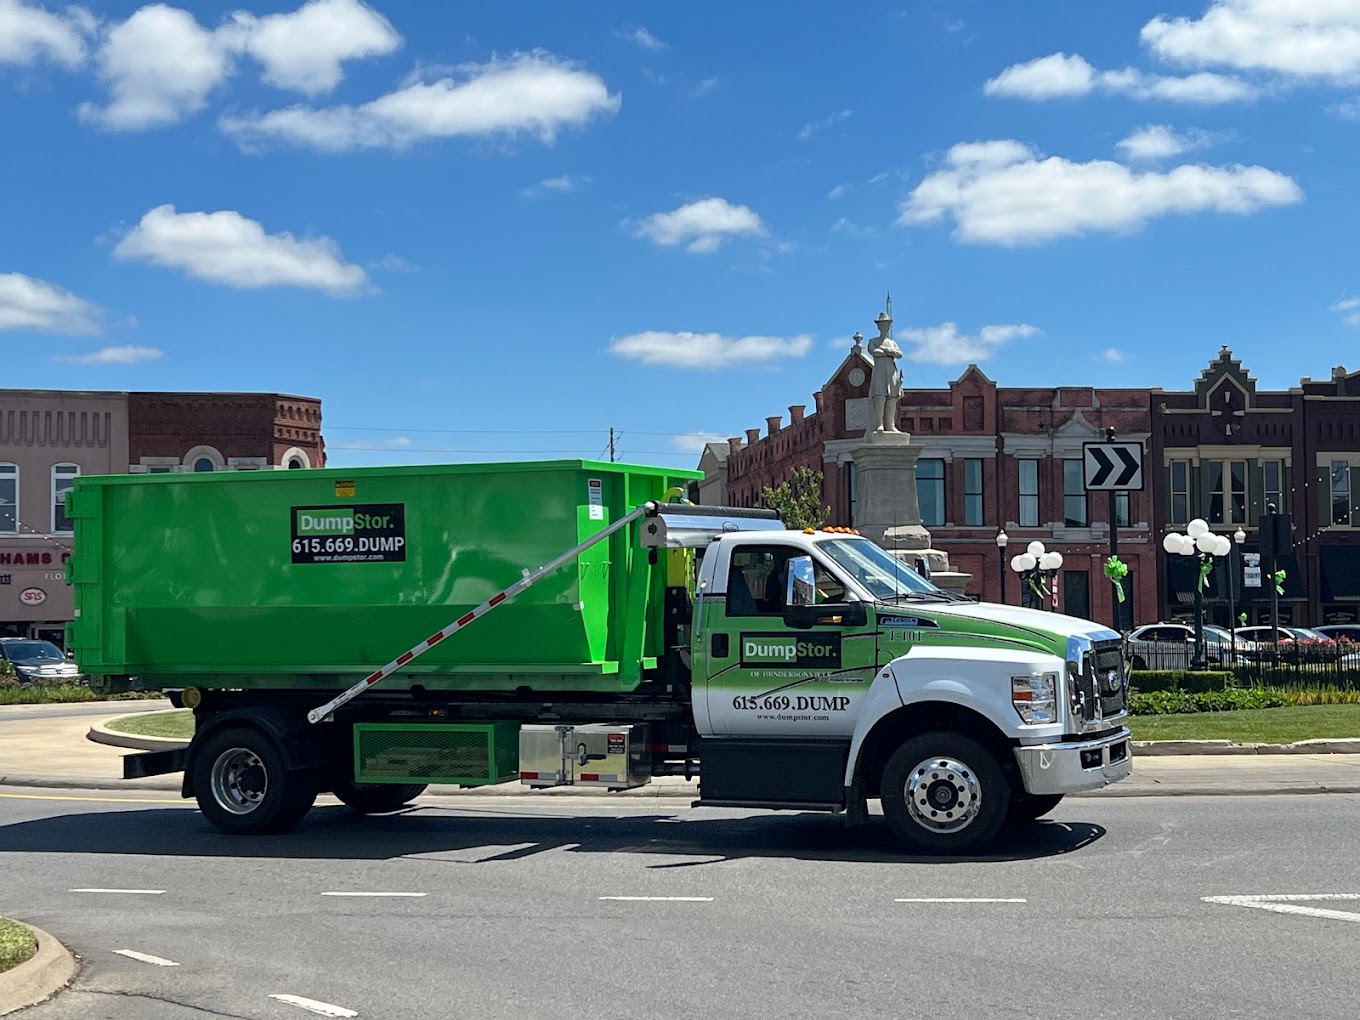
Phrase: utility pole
x=1114 y=542
x=611 y=444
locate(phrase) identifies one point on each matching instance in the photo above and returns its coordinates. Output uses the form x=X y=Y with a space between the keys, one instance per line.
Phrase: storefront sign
x=1251 y=570
x=33 y=596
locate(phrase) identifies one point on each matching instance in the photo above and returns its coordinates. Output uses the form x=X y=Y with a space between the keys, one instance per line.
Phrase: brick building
x=1225 y=450
x=992 y=459
x=48 y=438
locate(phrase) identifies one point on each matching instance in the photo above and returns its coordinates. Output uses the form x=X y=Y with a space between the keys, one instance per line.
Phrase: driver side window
x=757 y=580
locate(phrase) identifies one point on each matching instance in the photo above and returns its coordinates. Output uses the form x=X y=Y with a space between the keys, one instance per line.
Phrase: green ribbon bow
x=1038 y=586
x=1116 y=570
x=1279 y=582
x=1206 y=567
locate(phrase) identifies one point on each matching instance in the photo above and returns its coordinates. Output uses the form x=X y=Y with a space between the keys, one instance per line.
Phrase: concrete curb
x=101 y=734
x=51 y=969
x=1218 y=747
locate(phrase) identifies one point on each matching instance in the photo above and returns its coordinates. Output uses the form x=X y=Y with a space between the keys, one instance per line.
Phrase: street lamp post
x=1205 y=546
x=1234 y=569
x=1001 y=540
x=1037 y=568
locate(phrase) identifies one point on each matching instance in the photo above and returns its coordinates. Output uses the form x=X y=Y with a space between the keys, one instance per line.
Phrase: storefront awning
x=1340 y=573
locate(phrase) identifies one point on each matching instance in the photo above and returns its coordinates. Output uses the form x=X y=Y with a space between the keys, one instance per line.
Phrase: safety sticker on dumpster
x=365 y=533
x=595 y=493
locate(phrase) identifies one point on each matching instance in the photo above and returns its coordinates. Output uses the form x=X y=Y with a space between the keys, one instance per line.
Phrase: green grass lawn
x=1256 y=726
x=177 y=723
x=16 y=944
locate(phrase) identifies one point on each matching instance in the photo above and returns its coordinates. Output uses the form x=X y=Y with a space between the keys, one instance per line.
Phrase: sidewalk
x=47 y=752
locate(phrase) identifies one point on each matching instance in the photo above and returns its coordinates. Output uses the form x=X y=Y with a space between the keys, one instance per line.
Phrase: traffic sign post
x=1113 y=467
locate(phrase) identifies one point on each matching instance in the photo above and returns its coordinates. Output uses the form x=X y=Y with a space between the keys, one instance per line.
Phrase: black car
x=37 y=660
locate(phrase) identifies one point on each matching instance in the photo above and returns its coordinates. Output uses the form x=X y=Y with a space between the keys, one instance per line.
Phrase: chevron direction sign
x=1113 y=466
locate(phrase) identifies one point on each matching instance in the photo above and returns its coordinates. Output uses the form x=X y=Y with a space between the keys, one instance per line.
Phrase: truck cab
x=826 y=672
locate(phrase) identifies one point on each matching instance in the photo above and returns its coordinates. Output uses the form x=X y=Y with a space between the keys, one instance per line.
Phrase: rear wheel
x=376 y=798
x=944 y=793
x=242 y=786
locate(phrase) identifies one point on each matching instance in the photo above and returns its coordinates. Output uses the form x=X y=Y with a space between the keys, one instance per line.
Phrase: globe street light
x=1036 y=567
x=1001 y=540
x=1201 y=543
x=1234 y=572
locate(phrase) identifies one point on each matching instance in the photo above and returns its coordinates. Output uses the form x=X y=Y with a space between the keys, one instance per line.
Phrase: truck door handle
x=718 y=647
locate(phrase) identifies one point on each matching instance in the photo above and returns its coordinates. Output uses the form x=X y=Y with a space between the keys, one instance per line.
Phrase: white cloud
x=127 y=354
x=694 y=442
x=705 y=86
x=1350 y=309
x=838 y=191
x=850 y=228
x=159 y=67
x=701 y=226
x=812 y=127
x=1005 y=193
x=30 y=303
x=562 y=185
x=707 y=351
x=303 y=50
x=643 y=38
x=29 y=34
x=534 y=93
x=394 y=443
x=1348 y=109
x=1160 y=141
x=226 y=247
x=945 y=345
x=1114 y=354
x=1063 y=76
x=393 y=264
x=1301 y=38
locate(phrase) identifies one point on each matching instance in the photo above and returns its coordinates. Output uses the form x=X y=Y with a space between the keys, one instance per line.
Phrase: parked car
x=1341 y=631
x=1297 y=644
x=1172 y=646
x=37 y=660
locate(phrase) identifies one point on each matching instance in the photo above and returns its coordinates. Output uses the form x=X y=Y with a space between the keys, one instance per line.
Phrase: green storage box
x=467 y=754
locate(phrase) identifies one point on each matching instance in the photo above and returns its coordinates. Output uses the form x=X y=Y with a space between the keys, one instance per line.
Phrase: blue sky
x=541 y=220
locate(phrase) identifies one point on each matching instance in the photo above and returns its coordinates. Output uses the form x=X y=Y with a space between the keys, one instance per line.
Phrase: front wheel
x=376 y=798
x=944 y=793
x=242 y=786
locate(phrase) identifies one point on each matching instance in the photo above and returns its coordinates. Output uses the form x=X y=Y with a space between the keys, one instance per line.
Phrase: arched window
x=9 y=499
x=295 y=459
x=204 y=464
x=63 y=479
x=204 y=458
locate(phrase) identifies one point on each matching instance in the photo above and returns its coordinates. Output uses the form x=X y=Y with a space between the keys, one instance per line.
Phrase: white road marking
x=144 y=958
x=373 y=894
x=324 y=1008
x=1288 y=904
x=127 y=892
x=963 y=899
x=660 y=899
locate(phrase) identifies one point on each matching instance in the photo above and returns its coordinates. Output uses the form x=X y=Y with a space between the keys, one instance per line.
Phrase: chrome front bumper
x=1076 y=766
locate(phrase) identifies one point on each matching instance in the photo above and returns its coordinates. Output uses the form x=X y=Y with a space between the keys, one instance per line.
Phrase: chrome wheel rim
x=239 y=781
x=943 y=795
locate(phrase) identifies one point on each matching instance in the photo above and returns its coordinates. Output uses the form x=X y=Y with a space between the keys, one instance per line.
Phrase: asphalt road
x=80 y=709
x=745 y=915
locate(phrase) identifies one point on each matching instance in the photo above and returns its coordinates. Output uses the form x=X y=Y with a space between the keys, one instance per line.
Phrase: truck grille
x=1094 y=686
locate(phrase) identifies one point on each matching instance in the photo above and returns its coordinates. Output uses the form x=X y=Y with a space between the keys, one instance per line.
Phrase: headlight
x=1035 y=697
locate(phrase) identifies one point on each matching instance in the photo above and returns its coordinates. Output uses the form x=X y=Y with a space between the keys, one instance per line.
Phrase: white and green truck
x=584 y=627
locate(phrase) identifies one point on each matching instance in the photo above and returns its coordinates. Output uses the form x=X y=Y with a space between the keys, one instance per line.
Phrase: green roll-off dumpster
x=307 y=579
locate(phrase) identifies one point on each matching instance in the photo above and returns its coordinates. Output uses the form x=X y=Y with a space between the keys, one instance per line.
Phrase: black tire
x=948 y=773
x=242 y=786
x=376 y=798
x=1031 y=807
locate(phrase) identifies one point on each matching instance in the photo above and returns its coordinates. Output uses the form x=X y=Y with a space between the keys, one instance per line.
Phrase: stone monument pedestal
x=886 y=506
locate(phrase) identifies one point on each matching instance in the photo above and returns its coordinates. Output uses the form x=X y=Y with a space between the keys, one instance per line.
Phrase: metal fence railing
x=1287 y=665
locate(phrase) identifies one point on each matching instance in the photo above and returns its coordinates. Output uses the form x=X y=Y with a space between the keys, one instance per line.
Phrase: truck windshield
x=882 y=575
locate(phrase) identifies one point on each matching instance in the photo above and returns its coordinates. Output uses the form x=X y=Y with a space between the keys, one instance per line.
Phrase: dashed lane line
x=963 y=899
x=375 y=894
x=1289 y=903
x=123 y=892
x=322 y=1008
x=155 y=961
x=659 y=899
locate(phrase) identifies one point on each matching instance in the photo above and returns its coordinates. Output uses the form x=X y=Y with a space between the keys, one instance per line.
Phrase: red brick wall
x=235 y=424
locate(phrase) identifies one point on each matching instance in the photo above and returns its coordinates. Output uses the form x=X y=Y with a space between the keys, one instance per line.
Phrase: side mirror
x=801 y=589
x=834 y=614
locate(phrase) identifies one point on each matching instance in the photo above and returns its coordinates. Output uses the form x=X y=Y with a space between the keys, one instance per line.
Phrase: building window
x=63 y=478
x=1075 y=514
x=972 y=492
x=1341 y=493
x=294 y=464
x=1178 y=484
x=930 y=491
x=1029 y=493
x=9 y=499
x=1123 y=515
x=204 y=464
x=1272 y=474
x=1227 y=491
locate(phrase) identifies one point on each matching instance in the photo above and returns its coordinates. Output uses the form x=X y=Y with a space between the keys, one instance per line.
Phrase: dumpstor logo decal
x=362 y=533
x=808 y=651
